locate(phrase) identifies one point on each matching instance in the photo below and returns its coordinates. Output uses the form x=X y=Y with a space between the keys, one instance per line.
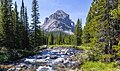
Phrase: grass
x=70 y=46
x=83 y=47
x=66 y=46
x=99 y=66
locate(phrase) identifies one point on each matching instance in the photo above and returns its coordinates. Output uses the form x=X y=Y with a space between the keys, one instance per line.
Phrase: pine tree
x=86 y=33
x=60 y=39
x=21 y=27
x=115 y=18
x=7 y=24
x=51 y=39
x=22 y=12
x=1 y=28
x=100 y=25
x=35 y=20
x=66 y=39
x=16 y=26
x=78 y=32
x=26 y=25
x=107 y=28
x=1 y=25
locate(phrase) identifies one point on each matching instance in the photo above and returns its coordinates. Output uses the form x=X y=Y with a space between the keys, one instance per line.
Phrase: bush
x=4 y=57
x=107 y=58
x=119 y=43
x=116 y=48
x=82 y=57
x=84 y=47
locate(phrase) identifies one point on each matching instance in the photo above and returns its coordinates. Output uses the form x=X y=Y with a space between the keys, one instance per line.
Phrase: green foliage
x=51 y=39
x=40 y=38
x=107 y=58
x=4 y=57
x=59 y=39
x=16 y=27
x=23 y=28
x=119 y=43
x=96 y=52
x=78 y=32
x=84 y=47
x=99 y=66
x=102 y=19
x=14 y=33
x=69 y=39
x=1 y=28
x=35 y=21
x=66 y=46
x=86 y=35
x=118 y=54
x=81 y=58
x=6 y=20
x=116 y=48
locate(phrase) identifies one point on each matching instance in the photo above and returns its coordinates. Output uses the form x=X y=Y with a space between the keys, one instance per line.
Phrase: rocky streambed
x=56 y=59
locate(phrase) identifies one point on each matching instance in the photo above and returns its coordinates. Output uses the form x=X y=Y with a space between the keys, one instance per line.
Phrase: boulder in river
x=44 y=68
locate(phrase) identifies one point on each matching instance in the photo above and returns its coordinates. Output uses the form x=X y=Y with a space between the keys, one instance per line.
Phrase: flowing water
x=49 y=60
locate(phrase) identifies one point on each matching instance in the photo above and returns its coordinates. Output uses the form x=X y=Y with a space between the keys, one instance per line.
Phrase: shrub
x=119 y=43
x=82 y=57
x=4 y=57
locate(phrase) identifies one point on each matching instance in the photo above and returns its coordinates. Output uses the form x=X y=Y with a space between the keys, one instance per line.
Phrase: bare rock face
x=59 y=21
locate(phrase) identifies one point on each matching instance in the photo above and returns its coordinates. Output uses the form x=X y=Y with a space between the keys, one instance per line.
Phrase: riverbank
x=62 y=58
x=50 y=59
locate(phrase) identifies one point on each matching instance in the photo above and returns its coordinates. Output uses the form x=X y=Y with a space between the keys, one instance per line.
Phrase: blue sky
x=75 y=8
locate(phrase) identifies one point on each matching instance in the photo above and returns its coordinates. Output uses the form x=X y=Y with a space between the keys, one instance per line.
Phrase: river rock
x=44 y=68
x=54 y=57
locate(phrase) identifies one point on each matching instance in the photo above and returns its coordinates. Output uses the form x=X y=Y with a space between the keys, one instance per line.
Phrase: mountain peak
x=58 y=21
x=61 y=12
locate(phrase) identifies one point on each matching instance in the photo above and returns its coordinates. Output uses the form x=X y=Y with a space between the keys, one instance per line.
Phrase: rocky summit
x=58 y=21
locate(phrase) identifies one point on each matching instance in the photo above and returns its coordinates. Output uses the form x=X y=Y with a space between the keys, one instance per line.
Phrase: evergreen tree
x=7 y=24
x=78 y=32
x=1 y=28
x=115 y=18
x=86 y=33
x=66 y=39
x=26 y=25
x=1 y=25
x=101 y=23
x=35 y=20
x=106 y=28
x=51 y=39
x=22 y=12
x=21 y=28
x=16 y=26
x=60 y=39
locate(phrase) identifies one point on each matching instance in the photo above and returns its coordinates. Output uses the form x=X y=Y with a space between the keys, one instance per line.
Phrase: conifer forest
x=58 y=43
